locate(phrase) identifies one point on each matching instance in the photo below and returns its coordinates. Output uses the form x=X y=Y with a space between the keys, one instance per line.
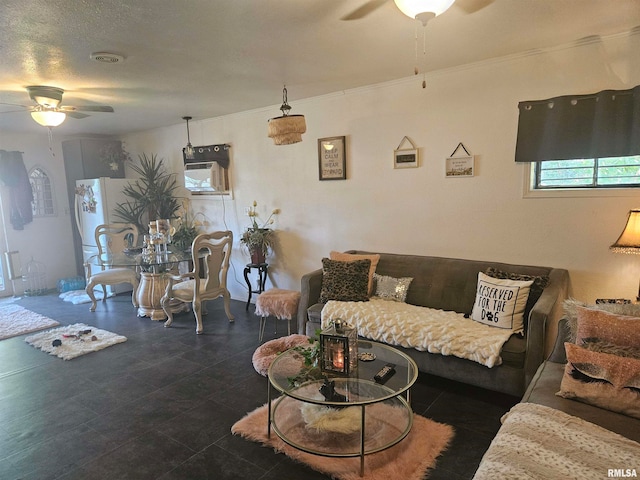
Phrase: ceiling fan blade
x=364 y=10
x=76 y=114
x=87 y=108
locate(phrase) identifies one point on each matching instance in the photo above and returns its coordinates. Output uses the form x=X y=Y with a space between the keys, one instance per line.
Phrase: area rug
x=409 y=460
x=16 y=320
x=77 y=297
x=75 y=340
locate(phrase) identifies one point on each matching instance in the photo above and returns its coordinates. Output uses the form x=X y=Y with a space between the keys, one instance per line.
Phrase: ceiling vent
x=105 y=57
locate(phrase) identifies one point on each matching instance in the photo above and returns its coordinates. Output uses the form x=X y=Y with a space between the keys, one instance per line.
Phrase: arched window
x=42 y=205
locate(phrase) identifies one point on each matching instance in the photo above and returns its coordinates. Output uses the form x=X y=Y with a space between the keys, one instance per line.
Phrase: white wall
x=415 y=210
x=419 y=210
x=46 y=240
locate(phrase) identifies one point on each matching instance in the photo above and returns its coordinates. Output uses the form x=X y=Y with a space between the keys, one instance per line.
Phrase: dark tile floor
x=161 y=405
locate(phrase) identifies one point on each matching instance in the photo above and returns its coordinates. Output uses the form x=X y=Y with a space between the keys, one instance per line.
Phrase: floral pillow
x=391 y=288
x=602 y=379
x=345 y=281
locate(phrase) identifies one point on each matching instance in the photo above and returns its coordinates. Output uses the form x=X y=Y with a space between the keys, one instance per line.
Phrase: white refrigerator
x=96 y=199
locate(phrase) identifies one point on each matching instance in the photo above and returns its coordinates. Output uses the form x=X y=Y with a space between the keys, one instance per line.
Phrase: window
x=42 y=205
x=615 y=172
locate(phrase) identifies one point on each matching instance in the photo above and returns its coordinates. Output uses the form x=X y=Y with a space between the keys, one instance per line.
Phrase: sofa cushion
x=350 y=257
x=391 y=288
x=345 y=281
x=601 y=379
x=571 y=305
x=501 y=303
x=605 y=326
x=540 y=282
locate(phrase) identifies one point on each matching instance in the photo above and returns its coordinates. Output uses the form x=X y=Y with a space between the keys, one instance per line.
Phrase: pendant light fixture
x=286 y=129
x=188 y=152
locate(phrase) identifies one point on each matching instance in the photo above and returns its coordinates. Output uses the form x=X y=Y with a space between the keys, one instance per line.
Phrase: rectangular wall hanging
x=459 y=166
x=332 y=158
x=405 y=157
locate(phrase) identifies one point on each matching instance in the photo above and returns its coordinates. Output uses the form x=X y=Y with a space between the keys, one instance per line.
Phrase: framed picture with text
x=332 y=163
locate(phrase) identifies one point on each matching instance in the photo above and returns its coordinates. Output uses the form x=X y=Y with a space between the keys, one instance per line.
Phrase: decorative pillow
x=539 y=284
x=350 y=257
x=345 y=281
x=605 y=326
x=571 y=306
x=601 y=379
x=391 y=288
x=500 y=303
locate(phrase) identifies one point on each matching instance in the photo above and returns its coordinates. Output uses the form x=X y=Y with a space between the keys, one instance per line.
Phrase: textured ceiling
x=207 y=58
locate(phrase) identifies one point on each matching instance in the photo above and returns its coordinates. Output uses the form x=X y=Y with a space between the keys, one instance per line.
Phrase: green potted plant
x=258 y=239
x=151 y=196
x=187 y=229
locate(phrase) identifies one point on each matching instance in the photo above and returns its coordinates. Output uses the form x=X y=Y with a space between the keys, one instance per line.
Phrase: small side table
x=262 y=279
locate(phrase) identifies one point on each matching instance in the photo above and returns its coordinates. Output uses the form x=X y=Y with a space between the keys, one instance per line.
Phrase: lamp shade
x=287 y=129
x=423 y=9
x=629 y=240
x=48 y=118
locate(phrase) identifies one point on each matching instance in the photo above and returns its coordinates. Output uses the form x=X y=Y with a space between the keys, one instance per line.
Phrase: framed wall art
x=332 y=163
x=459 y=166
x=405 y=157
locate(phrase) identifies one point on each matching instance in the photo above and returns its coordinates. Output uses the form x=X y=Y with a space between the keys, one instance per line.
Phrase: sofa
x=566 y=441
x=450 y=284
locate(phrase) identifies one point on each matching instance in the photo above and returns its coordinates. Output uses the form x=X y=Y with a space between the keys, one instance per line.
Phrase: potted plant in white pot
x=258 y=239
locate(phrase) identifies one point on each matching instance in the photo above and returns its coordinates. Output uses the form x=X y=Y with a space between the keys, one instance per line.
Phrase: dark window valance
x=210 y=153
x=599 y=125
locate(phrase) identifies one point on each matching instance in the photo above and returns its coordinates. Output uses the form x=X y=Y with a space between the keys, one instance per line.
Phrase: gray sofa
x=546 y=382
x=450 y=284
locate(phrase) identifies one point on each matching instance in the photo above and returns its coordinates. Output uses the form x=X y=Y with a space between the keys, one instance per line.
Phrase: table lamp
x=629 y=240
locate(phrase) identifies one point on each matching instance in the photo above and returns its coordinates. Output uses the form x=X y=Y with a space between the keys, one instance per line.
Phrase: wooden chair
x=208 y=280
x=112 y=240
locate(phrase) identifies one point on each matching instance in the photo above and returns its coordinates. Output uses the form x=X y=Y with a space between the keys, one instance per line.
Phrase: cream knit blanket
x=422 y=328
x=536 y=442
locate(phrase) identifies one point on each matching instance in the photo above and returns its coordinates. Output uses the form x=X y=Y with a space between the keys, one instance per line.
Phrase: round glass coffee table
x=365 y=417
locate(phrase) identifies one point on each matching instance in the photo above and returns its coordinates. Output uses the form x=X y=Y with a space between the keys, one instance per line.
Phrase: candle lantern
x=339 y=349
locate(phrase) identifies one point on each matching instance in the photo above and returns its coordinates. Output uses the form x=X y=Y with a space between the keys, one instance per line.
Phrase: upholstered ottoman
x=266 y=353
x=279 y=303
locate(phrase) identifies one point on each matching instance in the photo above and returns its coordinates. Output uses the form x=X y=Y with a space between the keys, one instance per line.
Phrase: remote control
x=385 y=373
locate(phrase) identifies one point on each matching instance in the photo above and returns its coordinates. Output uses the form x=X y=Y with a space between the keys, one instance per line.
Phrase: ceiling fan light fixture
x=286 y=129
x=48 y=118
x=423 y=10
x=188 y=151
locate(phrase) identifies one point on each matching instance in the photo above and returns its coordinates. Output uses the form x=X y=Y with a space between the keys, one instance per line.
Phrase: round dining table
x=154 y=270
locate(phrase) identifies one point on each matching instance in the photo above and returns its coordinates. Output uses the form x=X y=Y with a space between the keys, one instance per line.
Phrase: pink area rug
x=408 y=460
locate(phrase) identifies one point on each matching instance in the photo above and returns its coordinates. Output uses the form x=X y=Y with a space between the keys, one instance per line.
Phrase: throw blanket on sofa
x=539 y=442
x=425 y=329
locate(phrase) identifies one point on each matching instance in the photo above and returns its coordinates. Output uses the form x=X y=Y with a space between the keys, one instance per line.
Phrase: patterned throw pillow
x=539 y=284
x=345 y=281
x=391 y=288
x=571 y=306
x=349 y=257
x=604 y=326
x=500 y=303
x=601 y=379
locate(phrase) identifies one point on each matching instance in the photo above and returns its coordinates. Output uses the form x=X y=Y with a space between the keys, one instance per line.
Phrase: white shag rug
x=16 y=320
x=73 y=344
x=80 y=296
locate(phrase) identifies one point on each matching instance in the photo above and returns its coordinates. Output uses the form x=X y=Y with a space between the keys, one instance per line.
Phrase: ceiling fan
x=48 y=112
x=409 y=7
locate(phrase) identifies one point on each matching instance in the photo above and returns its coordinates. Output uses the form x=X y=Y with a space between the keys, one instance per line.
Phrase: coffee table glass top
x=288 y=374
